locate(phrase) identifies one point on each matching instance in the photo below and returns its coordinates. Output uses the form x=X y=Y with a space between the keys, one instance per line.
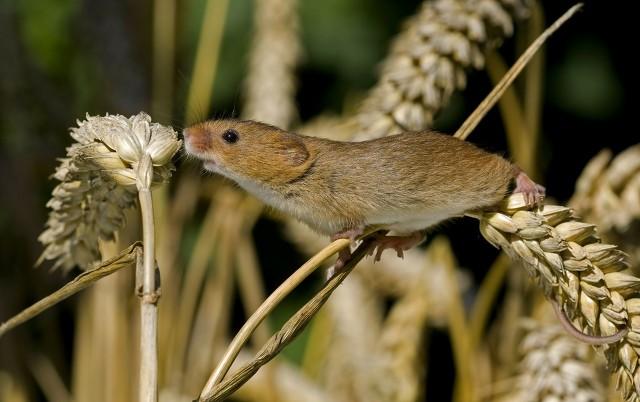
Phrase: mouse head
x=245 y=150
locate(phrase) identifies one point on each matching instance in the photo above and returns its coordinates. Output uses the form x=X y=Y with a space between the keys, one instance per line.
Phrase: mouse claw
x=351 y=234
x=533 y=193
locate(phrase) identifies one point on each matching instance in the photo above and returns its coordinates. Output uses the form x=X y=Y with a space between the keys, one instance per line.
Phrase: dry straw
x=427 y=62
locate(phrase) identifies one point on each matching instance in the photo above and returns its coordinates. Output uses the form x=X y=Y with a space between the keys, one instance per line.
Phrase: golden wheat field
x=129 y=272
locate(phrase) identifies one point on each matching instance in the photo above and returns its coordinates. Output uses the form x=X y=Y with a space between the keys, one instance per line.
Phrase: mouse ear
x=294 y=151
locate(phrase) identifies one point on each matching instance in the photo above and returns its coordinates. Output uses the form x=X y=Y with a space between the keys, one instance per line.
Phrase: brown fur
x=339 y=185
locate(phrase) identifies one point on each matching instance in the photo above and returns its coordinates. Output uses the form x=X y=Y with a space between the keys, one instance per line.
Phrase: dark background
x=62 y=59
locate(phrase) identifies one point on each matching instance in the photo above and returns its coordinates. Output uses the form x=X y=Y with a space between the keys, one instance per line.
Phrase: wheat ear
x=98 y=183
x=429 y=59
x=587 y=278
x=608 y=194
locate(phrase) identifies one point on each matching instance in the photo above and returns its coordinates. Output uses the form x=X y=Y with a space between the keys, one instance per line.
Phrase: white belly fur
x=411 y=221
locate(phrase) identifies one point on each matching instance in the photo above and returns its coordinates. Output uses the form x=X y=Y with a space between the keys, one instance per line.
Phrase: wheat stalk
x=114 y=157
x=206 y=59
x=586 y=278
x=291 y=385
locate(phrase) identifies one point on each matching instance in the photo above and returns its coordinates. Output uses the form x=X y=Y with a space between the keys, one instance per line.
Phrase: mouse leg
x=345 y=254
x=397 y=243
x=533 y=192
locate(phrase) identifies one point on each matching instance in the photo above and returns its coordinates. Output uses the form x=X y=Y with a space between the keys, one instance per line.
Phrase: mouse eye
x=230 y=136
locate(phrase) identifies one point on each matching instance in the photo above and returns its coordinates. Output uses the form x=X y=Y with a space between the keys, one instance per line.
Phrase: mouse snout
x=196 y=139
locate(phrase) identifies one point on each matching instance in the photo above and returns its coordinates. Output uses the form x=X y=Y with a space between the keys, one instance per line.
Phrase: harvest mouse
x=404 y=183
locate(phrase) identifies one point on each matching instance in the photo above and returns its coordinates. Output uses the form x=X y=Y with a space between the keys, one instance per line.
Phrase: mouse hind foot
x=398 y=243
x=380 y=242
x=533 y=192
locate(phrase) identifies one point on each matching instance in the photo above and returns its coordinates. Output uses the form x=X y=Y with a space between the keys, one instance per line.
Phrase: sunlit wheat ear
x=590 y=280
x=98 y=183
x=608 y=194
x=427 y=62
x=270 y=85
x=555 y=367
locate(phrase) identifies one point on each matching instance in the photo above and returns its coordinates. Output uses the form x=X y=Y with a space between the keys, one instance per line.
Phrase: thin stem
x=474 y=118
x=148 y=307
x=266 y=307
x=486 y=297
x=164 y=29
x=533 y=89
x=48 y=378
x=460 y=342
x=512 y=114
x=206 y=59
x=291 y=329
x=195 y=275
x=80 y=282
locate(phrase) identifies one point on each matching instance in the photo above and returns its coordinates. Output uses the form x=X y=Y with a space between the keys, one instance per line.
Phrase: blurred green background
x=60 y=59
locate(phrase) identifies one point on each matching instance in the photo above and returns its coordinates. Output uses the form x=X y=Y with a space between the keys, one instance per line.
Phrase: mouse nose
x=196 y=138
